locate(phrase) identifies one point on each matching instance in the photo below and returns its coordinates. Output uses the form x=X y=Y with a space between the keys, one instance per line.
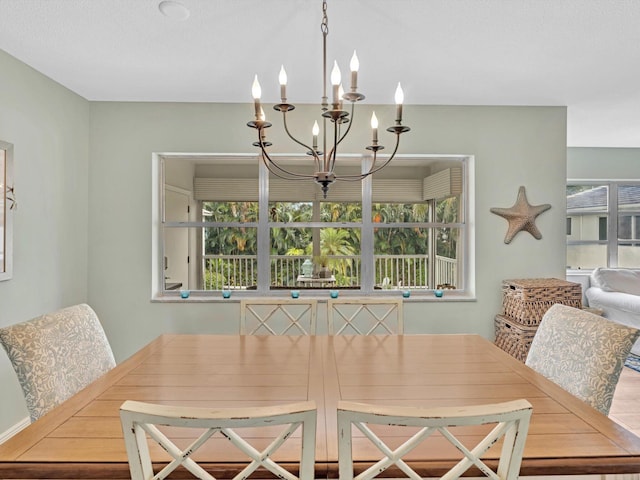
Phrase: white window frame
x=466 y=271
x=612 y=213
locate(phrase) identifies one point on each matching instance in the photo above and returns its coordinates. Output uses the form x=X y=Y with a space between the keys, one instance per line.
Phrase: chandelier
x=339 y=119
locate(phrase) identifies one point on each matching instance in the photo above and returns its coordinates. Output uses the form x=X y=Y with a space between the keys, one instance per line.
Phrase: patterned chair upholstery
x=56 y=355
x=582 y=352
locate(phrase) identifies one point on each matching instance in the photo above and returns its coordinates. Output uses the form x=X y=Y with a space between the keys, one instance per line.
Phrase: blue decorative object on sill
x=406 y=293
x=295 y=293
x=438 y=293
x=333 y=293
x=226 y=293
x=185 y=293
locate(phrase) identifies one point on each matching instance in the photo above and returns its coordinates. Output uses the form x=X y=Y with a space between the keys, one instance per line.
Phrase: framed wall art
x=7 y=207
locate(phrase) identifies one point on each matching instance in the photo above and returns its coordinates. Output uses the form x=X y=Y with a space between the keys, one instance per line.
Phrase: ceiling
x=583 y=54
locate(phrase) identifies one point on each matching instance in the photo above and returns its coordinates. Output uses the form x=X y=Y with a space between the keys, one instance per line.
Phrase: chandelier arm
x=353 y=111
x=269 y=162
x=274 y=168
x=275 y=173
x=330 y=160
x=342 y=137
x=309 y=149
x=373 y=168
x=286 y=129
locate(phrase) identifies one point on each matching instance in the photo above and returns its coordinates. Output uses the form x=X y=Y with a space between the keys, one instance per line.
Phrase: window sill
x=321 y=296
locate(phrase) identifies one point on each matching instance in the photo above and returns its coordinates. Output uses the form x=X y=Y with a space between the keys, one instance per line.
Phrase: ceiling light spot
x=174 y=10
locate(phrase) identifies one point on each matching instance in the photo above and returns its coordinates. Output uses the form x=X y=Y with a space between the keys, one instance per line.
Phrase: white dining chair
x=582 y=352
x=140 y=423
x=365 y=316
x=278 y=316
x=56 y=355
x=509 y=421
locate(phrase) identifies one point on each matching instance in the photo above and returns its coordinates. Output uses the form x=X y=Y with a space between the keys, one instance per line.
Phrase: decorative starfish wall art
x=522 y=216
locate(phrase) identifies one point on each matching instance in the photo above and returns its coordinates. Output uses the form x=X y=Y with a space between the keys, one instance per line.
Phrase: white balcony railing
x=407 y=271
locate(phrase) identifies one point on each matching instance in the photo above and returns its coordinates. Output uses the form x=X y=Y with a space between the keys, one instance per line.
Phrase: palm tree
x=447 y=238
x=336 y=242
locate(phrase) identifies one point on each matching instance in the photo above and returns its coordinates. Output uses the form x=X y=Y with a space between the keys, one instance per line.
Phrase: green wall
x=83 y=180
x=512 y=146
x=49 y=128
x=603 y=163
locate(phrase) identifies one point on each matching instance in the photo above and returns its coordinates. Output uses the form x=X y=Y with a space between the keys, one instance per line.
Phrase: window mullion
x=367 y=274
x=612 y=229
x=431 y=251
x=199 y=241
x=263 y=247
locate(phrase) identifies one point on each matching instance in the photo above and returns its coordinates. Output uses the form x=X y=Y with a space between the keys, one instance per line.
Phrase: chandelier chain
x=324 y=26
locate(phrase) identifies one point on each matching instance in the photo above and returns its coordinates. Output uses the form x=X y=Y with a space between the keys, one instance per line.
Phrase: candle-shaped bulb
x=374 y=127
x=335 y=81
x=282 y=77
x=399 y=95
x=315 y=131
x=335 y=74
x=399 y=100
x=256 y=91
x=354 y=65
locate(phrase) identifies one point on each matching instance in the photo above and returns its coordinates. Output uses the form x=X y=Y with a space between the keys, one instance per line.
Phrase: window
x=605 y=225
x=227 y=223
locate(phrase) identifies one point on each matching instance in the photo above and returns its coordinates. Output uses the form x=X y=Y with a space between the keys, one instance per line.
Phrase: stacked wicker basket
x=524 y=302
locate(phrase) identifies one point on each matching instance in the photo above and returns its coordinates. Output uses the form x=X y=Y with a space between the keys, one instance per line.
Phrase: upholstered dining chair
x=140 y=423
x=582 y=352
x=365 y=316
x=56 y=355
x=434 y=428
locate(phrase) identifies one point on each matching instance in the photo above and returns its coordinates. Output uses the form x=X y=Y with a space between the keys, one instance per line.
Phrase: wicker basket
x=527 y=300
x=514 y=338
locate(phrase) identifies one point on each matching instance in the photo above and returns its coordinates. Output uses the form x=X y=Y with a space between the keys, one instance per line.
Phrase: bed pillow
x=617 y=280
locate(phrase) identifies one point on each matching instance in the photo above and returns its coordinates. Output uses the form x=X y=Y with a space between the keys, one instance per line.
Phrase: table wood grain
x=82 y=437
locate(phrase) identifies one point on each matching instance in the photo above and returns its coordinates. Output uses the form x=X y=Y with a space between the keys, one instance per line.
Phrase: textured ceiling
x=584 y=54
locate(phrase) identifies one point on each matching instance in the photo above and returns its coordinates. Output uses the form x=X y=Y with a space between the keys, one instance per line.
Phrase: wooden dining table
x=82 y=438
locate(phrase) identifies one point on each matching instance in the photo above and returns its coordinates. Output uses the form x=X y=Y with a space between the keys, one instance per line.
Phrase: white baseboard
x=10 y=432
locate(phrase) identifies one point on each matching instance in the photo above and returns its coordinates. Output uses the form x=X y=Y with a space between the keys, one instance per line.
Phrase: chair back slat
x=511 y=420
x=365 y=316
x=278 y=316
x=140 y=420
